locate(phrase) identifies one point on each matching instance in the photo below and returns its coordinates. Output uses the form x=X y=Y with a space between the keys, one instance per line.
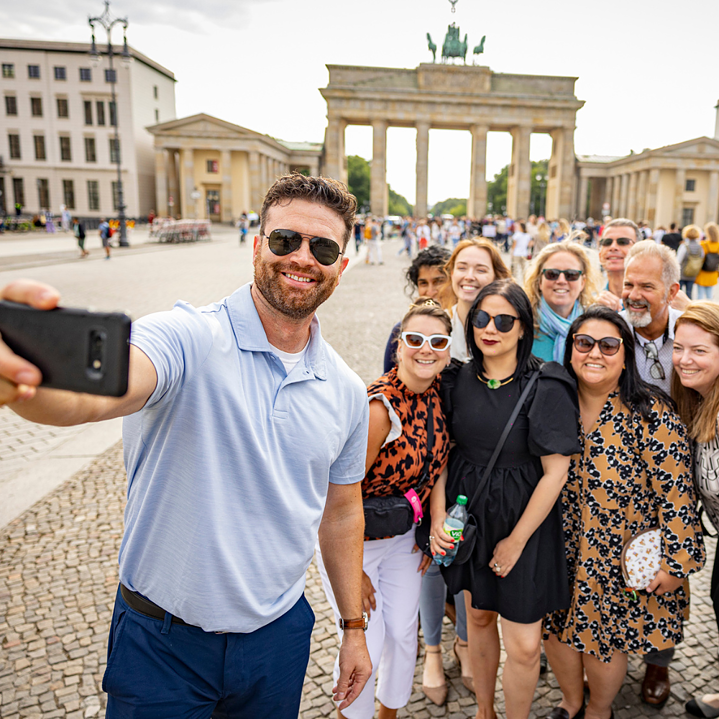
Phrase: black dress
x=547 y=424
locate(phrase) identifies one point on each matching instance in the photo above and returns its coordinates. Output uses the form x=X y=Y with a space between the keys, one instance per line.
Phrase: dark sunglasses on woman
x=285 y=242
x=569 y=275
x=607 y=345
x=503 y=323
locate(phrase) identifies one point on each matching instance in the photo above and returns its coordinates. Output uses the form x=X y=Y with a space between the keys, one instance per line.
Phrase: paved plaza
x=58 y=558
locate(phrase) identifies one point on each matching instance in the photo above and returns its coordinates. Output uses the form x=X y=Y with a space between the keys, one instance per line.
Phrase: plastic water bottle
x=454 y=526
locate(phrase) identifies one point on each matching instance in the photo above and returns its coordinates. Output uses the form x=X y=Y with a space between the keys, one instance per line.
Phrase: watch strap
x=360 y=623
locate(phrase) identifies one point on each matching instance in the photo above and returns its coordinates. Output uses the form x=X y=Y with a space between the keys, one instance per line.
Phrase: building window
x=154 y=91
x=14 y=142
x=10 y=105
x=88 y=112
x=68 y=194
x=113 y=113
x=65 y=150
x=111 y=75
x=115 y=196
x=18 y=190
x=100 y=107
x=90 y=155
x=157 y=115
x=36 y=106
x=60 y=73
x=43 y=193
x=212 y=166
x=33 y=72
x=114 y=150
x=39 y=141
x=93 y=195
x=85 y=74
x=62 y=107
x=688 y=216
x=3 y=202
x=690 y=187
x=8 y=70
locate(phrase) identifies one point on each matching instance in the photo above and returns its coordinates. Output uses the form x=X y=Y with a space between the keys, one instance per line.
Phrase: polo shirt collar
x=250 y=334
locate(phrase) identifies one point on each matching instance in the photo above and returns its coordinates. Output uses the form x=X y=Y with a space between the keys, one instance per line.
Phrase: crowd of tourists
x=576 y=411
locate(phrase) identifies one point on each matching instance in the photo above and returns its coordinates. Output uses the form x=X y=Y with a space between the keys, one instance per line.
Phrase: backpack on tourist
x=693 y=261
x=711 y=262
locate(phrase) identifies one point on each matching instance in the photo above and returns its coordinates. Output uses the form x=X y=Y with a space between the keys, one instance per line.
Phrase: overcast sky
x=648 y=71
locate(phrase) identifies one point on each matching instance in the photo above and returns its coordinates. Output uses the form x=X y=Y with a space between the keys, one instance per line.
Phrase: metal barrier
x=166 y=230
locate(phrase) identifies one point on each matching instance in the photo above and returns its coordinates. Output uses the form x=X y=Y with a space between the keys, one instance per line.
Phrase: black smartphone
x=74 y=349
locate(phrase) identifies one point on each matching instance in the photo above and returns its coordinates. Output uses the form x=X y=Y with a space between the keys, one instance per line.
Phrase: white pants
x=374 y=249
x=392 y=631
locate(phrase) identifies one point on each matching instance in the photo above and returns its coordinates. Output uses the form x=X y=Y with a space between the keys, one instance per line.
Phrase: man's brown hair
x=322 y=190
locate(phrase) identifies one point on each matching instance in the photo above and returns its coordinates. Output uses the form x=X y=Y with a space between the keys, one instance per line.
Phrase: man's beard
x=642 y=320
x=294 y=303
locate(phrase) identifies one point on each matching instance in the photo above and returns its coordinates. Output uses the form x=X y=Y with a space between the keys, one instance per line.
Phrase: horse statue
x=432 y=47
x=452 y=46
x=480 y=48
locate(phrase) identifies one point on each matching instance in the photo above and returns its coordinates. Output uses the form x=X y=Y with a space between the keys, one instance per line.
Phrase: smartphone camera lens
x=96 y=354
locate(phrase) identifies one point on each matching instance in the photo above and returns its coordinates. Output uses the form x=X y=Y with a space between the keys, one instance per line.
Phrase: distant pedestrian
x=375 y=243
x=49 y=224
x=65 y=218
x=707 y=279
x=105 y=234
x=690 y=256
x=79 y=230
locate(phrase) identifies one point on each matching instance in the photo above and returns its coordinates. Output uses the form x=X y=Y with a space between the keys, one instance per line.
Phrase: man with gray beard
x=651 y=282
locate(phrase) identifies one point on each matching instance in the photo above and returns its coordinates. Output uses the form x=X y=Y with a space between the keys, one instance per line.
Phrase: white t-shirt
x=290 y=359
x=521 y=249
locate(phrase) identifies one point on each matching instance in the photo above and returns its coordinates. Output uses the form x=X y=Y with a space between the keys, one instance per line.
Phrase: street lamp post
x=108 y=22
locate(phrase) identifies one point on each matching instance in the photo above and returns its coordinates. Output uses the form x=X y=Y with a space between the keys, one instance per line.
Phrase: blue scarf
x=556 y=327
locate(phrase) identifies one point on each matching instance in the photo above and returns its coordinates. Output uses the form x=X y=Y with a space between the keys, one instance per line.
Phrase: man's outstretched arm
x=341 y=538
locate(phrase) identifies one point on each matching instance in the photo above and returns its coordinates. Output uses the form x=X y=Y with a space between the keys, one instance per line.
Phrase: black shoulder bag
x=469 y=534
x=390 y=516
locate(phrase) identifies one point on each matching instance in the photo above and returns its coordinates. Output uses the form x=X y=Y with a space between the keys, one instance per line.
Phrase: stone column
x=632 y=201
x=560 y=187
x=650 y=207
x=680 y=182
x=256 y=191
x=188 y=172
x=518 y=183
x=642 y=196
x=713 y=200
x=226 y=192
x=378 y=176
x=161 y=182
x=623 y=195
x=173 y=184
x=477 y=204
x=420 y=205
x=608 y=193
x=334 y=147
x=582 y=199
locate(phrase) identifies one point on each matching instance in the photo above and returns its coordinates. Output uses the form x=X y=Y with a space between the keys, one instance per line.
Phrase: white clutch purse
x=642 y=559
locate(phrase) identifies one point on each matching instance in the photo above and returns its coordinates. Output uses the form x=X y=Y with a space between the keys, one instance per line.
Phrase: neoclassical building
x=209 y=168
x=677 y=183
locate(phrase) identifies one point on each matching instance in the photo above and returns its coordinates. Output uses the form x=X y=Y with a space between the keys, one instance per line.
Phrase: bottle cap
x=461 y=499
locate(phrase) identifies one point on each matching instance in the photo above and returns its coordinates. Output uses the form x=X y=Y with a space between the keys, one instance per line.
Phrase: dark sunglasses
x=285 y=242
x=569 y=275
x=621 y=241
x=416 y=340
x=503 y=323
x=607 y=345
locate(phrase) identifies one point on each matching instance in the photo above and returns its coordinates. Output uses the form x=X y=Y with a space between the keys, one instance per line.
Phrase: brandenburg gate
x=456 y=97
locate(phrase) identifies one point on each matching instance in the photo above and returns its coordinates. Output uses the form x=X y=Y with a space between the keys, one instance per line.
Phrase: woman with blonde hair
x=561 y=284
x=695 y=389
x=561 y=231
x=707 y=278
x=544 y=234
x=690 y=257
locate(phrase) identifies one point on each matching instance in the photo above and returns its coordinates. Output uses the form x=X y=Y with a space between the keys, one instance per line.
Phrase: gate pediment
x=454 y=78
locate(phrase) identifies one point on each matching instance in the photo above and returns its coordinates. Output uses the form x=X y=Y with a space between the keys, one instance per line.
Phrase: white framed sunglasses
x=416 y=340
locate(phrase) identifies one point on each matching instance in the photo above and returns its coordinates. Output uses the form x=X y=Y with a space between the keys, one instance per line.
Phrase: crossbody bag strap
x=509 y=425
x=412 y=495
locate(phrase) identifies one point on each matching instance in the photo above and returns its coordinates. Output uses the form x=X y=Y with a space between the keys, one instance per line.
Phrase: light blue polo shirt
x=228 y=464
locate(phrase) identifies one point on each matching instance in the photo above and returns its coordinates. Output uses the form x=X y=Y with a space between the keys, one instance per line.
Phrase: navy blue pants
x=160 y=670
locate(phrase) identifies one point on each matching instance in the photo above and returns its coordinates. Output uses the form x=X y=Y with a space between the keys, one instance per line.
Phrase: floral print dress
x=630 y=475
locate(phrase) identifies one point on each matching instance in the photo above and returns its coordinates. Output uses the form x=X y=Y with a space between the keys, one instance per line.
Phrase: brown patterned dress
x=399 y=463
x=630 y=475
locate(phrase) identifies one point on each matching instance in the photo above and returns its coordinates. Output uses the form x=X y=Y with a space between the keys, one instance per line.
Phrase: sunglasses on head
x=416 y=340
x=285 y=242
x=503 y=323
x=569 y=275
x=621 y=241
x=607 y=345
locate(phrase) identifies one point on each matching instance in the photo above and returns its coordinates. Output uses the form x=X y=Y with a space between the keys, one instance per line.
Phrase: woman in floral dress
x=633 y=473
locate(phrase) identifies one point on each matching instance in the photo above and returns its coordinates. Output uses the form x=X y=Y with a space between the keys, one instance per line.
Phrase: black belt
x=145 y=606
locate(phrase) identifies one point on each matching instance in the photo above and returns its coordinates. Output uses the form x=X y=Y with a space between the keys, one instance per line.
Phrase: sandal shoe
x=437 y=695
x=560 y=713
x=696 y=707
x=467 y=679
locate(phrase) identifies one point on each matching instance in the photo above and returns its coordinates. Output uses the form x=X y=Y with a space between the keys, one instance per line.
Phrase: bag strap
x=509 y=425
x=424 y=477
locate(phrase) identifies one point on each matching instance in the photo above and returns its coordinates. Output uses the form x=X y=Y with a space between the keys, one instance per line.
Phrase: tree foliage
x=358 y=179
x=497 y=190
x=398 y=205
x=451 y=206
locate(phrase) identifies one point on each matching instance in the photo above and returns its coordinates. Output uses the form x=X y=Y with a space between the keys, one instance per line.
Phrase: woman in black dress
x=514 y=566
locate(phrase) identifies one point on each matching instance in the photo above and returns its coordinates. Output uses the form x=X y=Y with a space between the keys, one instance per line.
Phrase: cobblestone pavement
x=58 y=560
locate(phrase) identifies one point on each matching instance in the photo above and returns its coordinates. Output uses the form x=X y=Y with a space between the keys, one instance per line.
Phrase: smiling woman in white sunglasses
x=407 y=450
